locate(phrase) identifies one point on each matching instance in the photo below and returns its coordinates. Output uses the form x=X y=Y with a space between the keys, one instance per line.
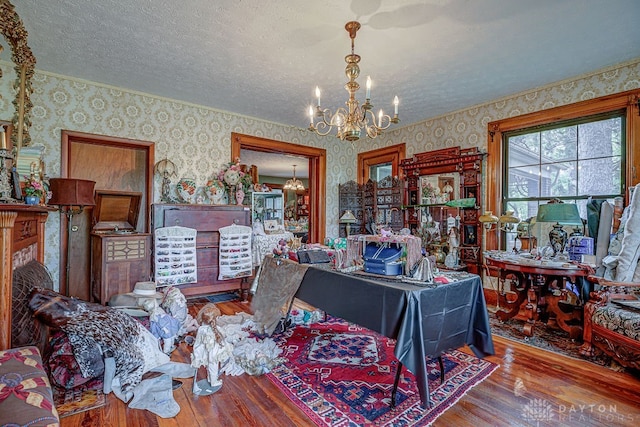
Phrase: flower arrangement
x=231 y=175
x=33 y=187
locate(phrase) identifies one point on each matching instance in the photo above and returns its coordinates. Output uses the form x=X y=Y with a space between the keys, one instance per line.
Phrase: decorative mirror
x=24 y=62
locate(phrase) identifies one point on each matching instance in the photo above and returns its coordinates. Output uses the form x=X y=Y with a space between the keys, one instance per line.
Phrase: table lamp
x=561 y=214
x=488 y=219
x=71 y=195
x=508 y=221
x=347 y=218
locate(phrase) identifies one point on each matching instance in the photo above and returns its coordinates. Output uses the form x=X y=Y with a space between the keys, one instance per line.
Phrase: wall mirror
x=23 y=61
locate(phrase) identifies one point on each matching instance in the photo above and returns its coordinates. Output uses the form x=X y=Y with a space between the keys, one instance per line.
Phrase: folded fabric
x=63 y=366
x=628 y=257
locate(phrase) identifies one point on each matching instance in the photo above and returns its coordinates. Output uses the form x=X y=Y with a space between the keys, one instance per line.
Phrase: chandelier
x=294 y=183
x=350 y=121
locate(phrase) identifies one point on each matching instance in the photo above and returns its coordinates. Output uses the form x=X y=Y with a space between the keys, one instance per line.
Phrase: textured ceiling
x=264 y=58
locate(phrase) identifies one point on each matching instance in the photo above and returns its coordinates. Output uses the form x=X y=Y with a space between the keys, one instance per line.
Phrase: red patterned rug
x=341 y=374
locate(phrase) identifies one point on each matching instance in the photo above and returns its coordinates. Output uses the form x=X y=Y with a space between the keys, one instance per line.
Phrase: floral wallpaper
x=198 y=139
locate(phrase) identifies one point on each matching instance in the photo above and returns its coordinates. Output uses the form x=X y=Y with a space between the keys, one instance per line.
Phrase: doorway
x=317 y=173
x=115 y=164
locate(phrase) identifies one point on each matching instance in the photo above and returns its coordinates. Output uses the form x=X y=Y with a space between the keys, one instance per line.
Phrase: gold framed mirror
x=15 y=35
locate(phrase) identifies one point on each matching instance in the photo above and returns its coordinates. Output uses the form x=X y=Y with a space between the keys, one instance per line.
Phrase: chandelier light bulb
x=368 y=96
x=318 y=95
x=396 y=102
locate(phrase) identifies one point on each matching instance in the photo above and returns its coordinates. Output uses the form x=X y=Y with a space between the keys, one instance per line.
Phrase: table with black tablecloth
x=426 y=321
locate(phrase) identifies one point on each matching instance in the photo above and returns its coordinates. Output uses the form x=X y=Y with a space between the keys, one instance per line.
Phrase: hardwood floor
x=532 y=387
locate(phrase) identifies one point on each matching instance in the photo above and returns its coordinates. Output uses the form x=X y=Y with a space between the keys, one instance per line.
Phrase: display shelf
x=175 y=256
x=461 y=169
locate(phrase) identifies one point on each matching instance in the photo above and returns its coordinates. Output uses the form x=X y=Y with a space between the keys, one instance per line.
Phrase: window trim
x=629 y=101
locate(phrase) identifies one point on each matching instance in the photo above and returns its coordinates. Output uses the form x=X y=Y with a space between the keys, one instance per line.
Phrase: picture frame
x=271 y=226
x=450 y=182
x=470 y=235
x=15 y=182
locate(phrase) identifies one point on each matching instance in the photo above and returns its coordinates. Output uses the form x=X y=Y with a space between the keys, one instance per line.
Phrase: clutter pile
x=134 y=361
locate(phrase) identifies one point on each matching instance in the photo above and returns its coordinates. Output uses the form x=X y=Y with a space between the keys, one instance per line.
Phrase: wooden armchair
x=611 y=326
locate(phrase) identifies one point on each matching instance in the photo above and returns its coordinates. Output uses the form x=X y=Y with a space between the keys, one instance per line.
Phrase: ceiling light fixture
x=350 y=121
x=294 y=183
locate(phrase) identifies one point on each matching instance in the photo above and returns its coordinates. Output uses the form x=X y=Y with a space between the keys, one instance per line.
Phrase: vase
x=239 y=196
x=232 y=195
x=32 y=200
x=216 y=192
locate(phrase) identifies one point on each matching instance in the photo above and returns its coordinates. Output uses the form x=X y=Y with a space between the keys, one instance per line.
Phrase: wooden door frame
x=392 y=154
x=67 y=138
x=317 y=173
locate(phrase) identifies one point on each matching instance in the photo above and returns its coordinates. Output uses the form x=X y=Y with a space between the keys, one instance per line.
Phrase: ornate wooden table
x=540 y=286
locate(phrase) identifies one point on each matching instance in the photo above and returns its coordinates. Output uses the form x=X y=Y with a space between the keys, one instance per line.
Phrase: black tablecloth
x=425 y=321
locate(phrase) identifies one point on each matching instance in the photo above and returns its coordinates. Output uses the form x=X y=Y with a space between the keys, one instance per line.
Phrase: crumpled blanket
x=250 y=355
x=278 y=283
x=118 y=335
x=88 y=325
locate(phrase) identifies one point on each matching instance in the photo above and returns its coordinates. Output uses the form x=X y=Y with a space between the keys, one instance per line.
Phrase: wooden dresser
x=207 y=220
x=21 y=240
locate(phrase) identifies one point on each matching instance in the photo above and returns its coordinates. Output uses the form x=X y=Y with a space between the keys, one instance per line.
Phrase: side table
x=540 y=287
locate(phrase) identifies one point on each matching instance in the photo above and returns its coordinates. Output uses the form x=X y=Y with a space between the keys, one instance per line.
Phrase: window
x=570 y=160
x=589 y=148
x=380 y=171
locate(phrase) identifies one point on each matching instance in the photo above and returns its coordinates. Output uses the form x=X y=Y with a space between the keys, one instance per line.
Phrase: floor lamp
x=71 y=196
x=488 y=220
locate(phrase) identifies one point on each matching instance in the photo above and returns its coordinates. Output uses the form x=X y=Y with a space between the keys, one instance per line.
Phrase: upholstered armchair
x=612 y=326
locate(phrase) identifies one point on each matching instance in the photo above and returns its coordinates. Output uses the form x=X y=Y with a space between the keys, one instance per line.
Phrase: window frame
x=628 y=101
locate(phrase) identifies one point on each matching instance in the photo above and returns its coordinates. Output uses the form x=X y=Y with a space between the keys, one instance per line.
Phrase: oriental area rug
x=341 y=374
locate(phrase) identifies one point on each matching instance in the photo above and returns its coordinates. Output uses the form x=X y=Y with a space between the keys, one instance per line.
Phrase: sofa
x=26 y=397
x=612 y=321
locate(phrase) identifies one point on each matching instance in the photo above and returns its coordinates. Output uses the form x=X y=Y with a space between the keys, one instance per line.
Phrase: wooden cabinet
x=207 y=220
x=118 y=262
x=464 y=166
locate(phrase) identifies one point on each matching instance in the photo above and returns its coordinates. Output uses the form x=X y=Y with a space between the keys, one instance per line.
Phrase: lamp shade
x=71 y=192
x=347 y=217
x=562 y=213
x=509 y=218
x=488 y=217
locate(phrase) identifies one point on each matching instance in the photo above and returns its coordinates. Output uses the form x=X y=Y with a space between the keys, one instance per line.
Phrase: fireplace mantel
x=21 y=240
